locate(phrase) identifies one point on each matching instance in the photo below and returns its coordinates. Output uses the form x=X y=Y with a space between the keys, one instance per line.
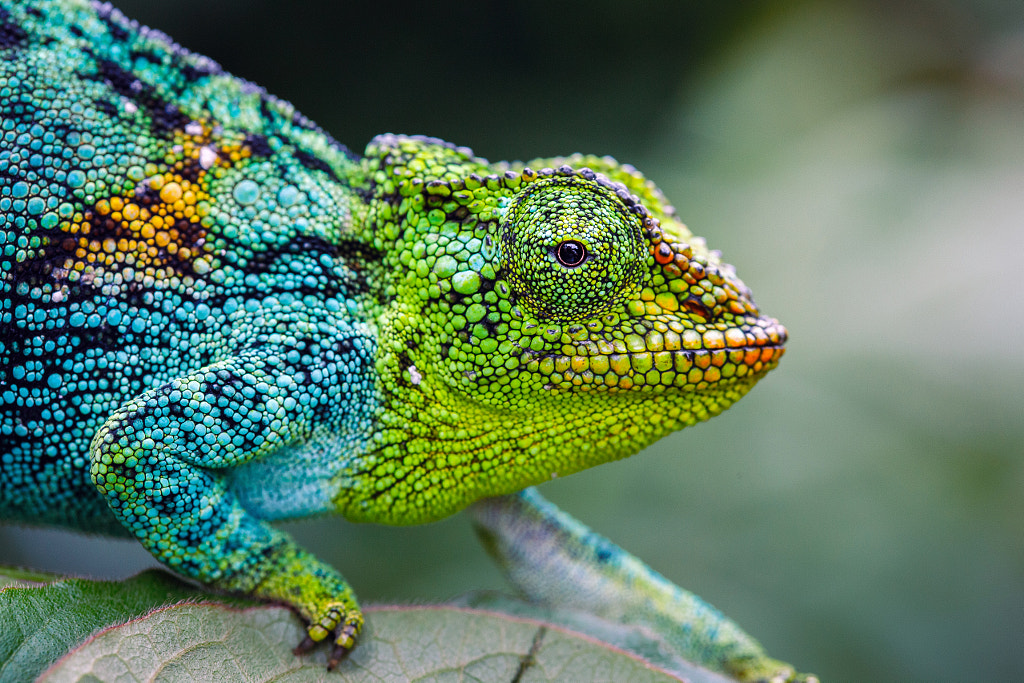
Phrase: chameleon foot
x=345 y=629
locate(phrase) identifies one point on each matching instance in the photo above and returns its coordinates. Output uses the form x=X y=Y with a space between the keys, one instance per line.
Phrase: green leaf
x=152 y=626
x=42 y=621
x=214 y=642
x=10 y=576
x=642 y=642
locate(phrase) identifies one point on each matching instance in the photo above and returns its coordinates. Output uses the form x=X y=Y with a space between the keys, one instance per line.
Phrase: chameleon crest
x=215 y=316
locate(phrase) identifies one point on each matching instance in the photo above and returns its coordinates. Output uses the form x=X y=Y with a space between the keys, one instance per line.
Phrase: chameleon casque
x=214 y=316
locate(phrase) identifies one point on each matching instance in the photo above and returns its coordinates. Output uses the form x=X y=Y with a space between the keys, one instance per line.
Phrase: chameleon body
x=215 y=316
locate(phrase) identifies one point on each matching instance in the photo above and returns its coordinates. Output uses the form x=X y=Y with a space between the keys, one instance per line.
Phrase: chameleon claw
x=305 y=646
x=345 y=640
x=338 y=653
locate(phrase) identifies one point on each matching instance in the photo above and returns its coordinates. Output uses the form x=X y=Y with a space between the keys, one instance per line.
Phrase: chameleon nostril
x=697 y=307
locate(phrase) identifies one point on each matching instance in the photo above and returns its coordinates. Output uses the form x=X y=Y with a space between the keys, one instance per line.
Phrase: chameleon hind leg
x=161 y=462
x=554 y=559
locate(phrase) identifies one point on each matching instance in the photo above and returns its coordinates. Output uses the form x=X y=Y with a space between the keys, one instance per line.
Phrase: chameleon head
x=638 y=304
x=542 y=322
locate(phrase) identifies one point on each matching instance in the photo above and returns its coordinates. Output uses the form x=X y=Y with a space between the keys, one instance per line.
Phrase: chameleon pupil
x=570 y=253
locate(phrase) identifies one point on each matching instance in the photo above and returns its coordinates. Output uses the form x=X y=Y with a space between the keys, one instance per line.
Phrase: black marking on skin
x=266 y=110
x=348 y=283
x=267 y=260
x=20 y=112
x=259 y=145
x=147 y=56
x=404 y=362
x=109 y=16
x=38 y=270
x=344 y=346
x=191 y=170
x=360 y=252
x=168 y=117
x=460 y=214
x=307 y=248
x=492 y=328
x=107 y=107
x=136 y=295
x=192 y=73
x=486 y=285
x=107 y=337
x=11 y=34
x=164 y=116
x=314 y=163
x=124 y=82
x=364 y=193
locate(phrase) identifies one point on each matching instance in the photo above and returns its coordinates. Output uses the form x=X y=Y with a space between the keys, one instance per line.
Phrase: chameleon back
x=151 y=208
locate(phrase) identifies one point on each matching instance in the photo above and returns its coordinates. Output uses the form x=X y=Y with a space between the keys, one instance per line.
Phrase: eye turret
x=572 y=250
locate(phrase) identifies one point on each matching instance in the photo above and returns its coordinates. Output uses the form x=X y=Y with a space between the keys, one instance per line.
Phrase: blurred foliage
x=862 y=164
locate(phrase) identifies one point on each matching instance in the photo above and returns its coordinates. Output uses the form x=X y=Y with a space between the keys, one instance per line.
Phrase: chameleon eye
x=570 y=249
x=570 y=253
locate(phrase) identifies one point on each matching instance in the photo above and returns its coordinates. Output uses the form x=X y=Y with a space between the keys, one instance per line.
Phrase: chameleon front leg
x=161 y=462
x=553 y=558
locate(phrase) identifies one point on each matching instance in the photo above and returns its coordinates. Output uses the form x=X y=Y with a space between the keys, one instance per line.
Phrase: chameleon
x=214 y=316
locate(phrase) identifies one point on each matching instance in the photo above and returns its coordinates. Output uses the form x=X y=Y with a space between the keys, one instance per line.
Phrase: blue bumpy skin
x=215 y=316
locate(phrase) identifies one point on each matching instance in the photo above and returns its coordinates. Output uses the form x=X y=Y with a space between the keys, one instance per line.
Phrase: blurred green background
x=862 y=165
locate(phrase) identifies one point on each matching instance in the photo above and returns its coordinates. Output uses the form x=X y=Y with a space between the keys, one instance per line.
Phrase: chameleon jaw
x=687 y=370
x=659 y=361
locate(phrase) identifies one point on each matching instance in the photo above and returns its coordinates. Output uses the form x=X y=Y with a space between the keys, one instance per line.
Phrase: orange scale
x=663 y=254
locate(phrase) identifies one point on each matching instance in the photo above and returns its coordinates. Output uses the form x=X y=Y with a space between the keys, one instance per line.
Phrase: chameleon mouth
x=691 y=360
x=685 y=369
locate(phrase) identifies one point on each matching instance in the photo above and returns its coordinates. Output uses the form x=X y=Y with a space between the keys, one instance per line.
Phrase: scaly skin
x=214 y=315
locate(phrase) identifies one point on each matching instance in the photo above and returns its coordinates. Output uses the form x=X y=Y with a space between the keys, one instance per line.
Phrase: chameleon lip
x=685 y=369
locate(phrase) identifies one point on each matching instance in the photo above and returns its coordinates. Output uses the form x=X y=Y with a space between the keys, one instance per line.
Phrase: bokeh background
x=862 y=164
